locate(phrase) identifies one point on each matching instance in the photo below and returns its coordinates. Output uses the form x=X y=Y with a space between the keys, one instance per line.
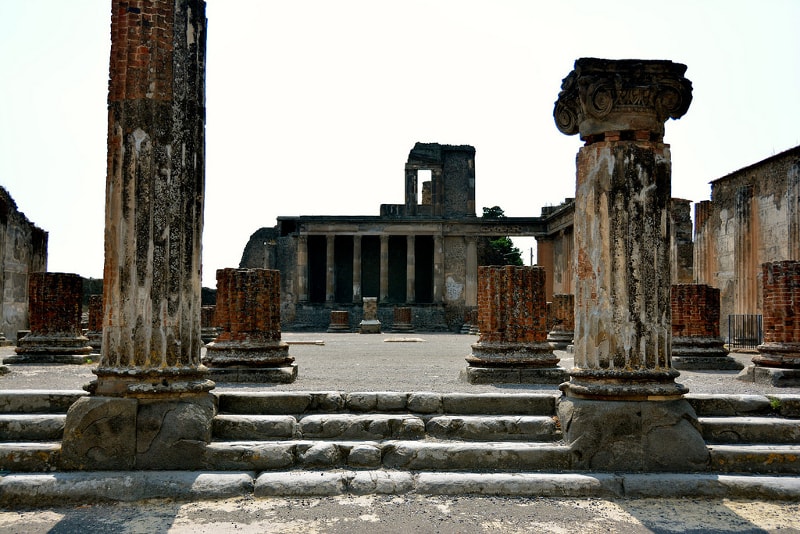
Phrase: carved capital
x=603 y=95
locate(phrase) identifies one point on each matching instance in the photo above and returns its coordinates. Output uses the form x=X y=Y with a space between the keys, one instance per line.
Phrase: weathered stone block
x=230 y=456
x=364 y=457
x=100 y=434
x=424 y=402
x=238 y=427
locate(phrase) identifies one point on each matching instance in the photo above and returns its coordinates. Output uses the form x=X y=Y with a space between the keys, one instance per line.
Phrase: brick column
x=695 y=329
x=562 y=315
x=249 y=347
x=512 y=318
x=150 y=406
x=622 y=230
x=208 y=326
x=54 y=308
x=402 y=320
x=95 y=326
x=340 y=322
x=411 y=270
x=778 y=359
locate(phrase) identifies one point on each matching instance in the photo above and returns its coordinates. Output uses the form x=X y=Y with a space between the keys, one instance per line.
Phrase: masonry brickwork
x=695 y=310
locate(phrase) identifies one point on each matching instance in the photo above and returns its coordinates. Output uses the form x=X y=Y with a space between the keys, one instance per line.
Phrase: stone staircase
x=409 y=432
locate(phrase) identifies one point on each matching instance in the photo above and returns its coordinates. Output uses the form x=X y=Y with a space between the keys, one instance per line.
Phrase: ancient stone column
x=562 y=315
x=249 y=347
x=384 y=269
x=471 y=270
x=512 y=318
x=438 y=269
x=411 y=270
x=54 y=308
x=623 y=276
x=330 y=269
x=340 y=322
x=695 y=329
x=151 y=406
x=302 y=268
x=778 y=359
x=402 y=320
x=369 y=323
x=95 y=326
x=208 y=326
x=356 y=268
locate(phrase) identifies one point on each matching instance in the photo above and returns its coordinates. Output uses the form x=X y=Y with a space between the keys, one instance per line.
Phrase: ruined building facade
x=753 y=217
x=422 y=253
x=23 y=250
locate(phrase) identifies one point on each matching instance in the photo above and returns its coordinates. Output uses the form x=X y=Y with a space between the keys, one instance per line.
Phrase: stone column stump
x=340 y=322
x=54 y=307
x=95 y=329
x=370 y=323
x=249 y=347
x=512 y=318
x=208 y=327
x=622 y=409
x=562 y=314
x=696 y=343
x=778 y=359
x=402 y=320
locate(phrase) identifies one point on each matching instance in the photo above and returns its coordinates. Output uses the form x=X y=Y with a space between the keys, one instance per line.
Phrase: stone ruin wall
x=753 y=217
x=23 y=250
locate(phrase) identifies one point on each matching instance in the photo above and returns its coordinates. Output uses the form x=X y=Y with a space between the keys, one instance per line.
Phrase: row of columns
x=438 y=268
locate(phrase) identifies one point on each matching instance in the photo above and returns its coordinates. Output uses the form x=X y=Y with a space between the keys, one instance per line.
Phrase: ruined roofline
x=789 y=152
x=6 y=197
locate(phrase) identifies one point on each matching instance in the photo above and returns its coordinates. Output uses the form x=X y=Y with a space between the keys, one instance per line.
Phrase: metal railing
x=744 y=331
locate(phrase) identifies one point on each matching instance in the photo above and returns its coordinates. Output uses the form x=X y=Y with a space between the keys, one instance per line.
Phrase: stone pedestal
x=54 y=307
x=249 y=346
x=695 y=329
x=402 y=320
x=151 y=406
x=778 y=359
x=622 y=231
x=95 y=329
x=369 y=323
x=340 y=322
x=562 y=315
x=512 y=317
x=470 y=325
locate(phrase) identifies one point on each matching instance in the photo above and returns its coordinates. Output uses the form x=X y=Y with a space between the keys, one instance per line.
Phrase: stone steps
x=725 y=430
x=31 y=427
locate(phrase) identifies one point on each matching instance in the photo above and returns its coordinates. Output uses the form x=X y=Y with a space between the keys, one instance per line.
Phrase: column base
x=506 y=354
x=247 y=354
x=339 y=329
x=369 y=327
x=702 y=353
x=770 y=376
x=513 y=375
x=560 y=339
x=150 y=383
x=120 y=434
x=34 y=344
x=255 y=375
x=633 y=436
x=611 y=385
x=781 y=355
x=43 y=358
x=402 y=328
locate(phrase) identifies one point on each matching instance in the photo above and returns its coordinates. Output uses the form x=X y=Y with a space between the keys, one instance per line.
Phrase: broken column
x=402 y=320
x=512 y=318
x=562 y=314
x=696 y=343
x=95 y=327
x=622 y=408
x=208 y=328
x=778 y=359
x=54 y=308
x=151 y=406
x=340 y=322
x=248 y=312
x=369 y=323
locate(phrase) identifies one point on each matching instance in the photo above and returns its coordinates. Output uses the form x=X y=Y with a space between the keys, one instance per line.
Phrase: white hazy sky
x=314 y=105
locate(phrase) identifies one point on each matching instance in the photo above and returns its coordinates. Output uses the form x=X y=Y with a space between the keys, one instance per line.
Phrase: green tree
x=498 y=250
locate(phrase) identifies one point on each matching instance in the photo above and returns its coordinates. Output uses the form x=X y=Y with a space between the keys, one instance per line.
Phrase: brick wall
x=695 y=310
x=781 y=286
x=95 y=313
x=562 y=310
x=511 y=304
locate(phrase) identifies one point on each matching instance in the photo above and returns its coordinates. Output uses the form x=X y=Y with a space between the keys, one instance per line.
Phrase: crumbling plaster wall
x=23 y=250
x=752 y=218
